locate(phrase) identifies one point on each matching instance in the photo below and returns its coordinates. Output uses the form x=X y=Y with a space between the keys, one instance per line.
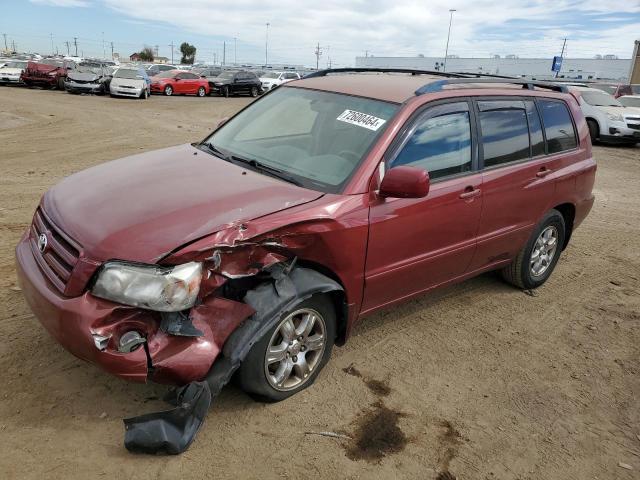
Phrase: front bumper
x=48 y=80
x=157 y=87
x=621 y=132
x=9 y=78
x=75 y=321
x=77 y=87
x=126 y=91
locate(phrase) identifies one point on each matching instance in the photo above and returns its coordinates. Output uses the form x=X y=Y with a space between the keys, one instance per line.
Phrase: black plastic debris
x=171 y=431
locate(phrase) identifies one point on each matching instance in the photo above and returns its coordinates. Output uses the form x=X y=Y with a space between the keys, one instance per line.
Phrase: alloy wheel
x=295 y=349
x=544 y=251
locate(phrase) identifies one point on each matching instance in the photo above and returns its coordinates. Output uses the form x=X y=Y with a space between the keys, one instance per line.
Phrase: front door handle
x=470 y=192
x=544 y=171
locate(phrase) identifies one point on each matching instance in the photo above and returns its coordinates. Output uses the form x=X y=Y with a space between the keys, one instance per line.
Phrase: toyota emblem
x=42 y=242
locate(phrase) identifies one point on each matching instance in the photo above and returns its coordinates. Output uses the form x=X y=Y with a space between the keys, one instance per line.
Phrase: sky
x=343 y=28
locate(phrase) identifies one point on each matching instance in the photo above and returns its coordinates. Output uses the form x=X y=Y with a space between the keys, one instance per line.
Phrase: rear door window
x=558 y=126
x=505 y=132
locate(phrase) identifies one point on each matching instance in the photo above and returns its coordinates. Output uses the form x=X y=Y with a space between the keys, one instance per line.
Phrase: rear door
x=415 y=244
x=520 y=168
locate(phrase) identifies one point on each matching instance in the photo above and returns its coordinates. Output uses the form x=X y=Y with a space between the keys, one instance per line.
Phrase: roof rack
x=438 y=86
x=324 y=73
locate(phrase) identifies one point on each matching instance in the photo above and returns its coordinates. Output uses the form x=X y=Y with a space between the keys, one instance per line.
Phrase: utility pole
x=224 y=53
x=104 y=52
x=266 y=47
x=366 y=54
x=67 y=44
x=111 y=50
x=5 y=41
x=171 y=45
x=157 y=49
x=13 y=46
x=446 y=51
x=318 y=54
x=235 y=50
x=75 y=43
x=564 y=44
x=51 y=35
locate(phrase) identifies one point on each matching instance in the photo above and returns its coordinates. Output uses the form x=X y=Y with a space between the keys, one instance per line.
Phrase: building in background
x=606 y=67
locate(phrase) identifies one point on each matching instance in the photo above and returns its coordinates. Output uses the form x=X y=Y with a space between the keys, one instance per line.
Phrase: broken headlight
x=163 y=289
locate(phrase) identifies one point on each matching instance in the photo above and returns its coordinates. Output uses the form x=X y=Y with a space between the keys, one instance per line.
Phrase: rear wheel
x=202 y=92
x=289 y=357
x=60 y=83
x=225 y=92
x=593 y=130
x=537 y=259
x=168 y=90
x=254 y=91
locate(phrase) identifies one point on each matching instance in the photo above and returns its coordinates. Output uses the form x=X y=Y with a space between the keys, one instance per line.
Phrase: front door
x=416 y=244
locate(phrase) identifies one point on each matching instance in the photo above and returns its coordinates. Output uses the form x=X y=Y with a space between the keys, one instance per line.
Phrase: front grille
x=61 y=253
x=634 y=126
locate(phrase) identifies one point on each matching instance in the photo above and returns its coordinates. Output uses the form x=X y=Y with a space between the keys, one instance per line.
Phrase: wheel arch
x=568 y=212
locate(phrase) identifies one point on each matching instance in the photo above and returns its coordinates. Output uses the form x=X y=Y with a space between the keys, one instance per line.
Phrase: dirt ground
x=477 y=381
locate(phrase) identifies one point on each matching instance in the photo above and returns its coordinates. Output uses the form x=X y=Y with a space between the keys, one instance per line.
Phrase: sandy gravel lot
x=478 y=381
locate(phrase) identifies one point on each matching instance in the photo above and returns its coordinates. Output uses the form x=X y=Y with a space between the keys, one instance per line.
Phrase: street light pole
x=266 y=47
x=446 y=52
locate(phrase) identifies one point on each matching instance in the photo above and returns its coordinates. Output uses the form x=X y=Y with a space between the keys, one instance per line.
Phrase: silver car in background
x=10 y=72
x=130 y=82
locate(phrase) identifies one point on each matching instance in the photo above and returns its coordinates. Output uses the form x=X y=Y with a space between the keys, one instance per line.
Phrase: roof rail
x=324 y=73
x=438 y=86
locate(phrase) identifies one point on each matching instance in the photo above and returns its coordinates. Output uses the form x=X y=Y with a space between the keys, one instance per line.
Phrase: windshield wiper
x=216 y=151
x=261 y=167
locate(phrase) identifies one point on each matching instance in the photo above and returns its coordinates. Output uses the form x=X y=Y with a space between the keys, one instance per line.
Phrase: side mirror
x=222 y=122
x=405 y=182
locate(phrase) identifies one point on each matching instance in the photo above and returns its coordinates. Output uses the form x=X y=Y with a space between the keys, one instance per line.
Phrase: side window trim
x=422 y=114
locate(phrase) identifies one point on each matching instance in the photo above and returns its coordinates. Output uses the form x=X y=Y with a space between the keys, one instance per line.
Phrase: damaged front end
x=256 y=282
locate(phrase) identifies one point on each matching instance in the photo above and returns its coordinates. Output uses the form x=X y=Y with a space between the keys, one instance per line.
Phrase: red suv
x=50 y=72
x=331 y=197
x=173 y=82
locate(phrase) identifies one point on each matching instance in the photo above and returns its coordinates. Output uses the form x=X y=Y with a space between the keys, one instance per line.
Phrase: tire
x=252 y=375
x=202 y=92
x=168 y=90
x=60 y=83
x=593 y=130
x=521 y=272
x=254 y=91
x=225 y=92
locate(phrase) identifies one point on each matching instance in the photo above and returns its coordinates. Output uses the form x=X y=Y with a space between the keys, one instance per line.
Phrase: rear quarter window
x=558 y=126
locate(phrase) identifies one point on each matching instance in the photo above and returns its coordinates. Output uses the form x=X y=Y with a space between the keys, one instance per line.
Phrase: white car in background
x=271 y=80
x=130 y=82
x=630 y=101
x=608 y=119
x=11 y=71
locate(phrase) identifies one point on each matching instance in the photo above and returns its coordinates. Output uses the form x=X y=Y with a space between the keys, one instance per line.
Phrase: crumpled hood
x=41 y=67
x=84 y=76
x=140 y=208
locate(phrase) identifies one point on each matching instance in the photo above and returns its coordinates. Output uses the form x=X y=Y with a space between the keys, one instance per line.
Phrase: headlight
x=218 y=84
x=615 y=117
x=163 y=289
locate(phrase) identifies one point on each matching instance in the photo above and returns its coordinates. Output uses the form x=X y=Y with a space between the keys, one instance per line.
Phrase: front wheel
x=202 y=92
x=593 y=130
x=289 y=357
x=60 y=82
x=225 y=92
x=254 y=91
x=168 y=90
x=537 y=259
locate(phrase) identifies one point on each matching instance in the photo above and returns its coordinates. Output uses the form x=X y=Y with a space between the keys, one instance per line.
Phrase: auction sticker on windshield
x=361 y=119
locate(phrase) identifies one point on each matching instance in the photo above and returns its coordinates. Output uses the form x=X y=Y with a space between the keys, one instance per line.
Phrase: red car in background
x=50 y=72
x=174 y=82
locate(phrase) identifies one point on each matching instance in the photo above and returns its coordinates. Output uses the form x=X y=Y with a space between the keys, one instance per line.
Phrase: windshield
x=166 y=74
x=127 y=73
x=318 y=138
x=271 y=75
x=610 y=89
x=600 y=99
x=16 y=65
x=630 y=101
x=226 y=75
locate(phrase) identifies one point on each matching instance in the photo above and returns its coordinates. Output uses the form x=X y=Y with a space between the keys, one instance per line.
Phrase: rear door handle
x=544 y=171
x=470 y=192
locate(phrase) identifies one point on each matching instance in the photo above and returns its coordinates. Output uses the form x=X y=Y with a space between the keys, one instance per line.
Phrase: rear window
x=558 y=126
x=505 y=135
